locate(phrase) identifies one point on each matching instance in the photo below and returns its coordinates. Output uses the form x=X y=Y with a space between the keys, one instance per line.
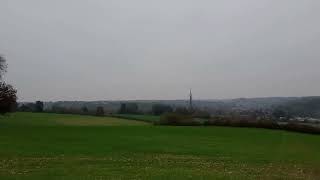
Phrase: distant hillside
x=306 y=106
x=298 y=106
x=297 y=103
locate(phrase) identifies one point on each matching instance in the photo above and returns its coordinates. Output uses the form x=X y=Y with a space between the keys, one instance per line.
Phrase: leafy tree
x=39 y=106
x=100 y=111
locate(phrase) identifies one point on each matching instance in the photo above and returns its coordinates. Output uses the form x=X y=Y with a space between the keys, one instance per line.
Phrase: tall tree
x=123 y=108
x=100 y=111
x=8 y=95
x=8 y=98
x=39 y=106
x=84 y=109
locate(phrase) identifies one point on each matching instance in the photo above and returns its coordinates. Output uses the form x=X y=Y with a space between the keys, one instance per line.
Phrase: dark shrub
x=267 y=124
x=241 y=122
x=218 y=121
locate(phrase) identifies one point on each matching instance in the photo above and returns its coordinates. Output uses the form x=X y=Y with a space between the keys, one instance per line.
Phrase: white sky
x=158 y=49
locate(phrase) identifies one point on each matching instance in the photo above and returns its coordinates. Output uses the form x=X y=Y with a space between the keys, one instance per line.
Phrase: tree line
x=124 y=108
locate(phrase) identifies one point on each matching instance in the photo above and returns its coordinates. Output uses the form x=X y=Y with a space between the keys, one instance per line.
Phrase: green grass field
x=51 y=146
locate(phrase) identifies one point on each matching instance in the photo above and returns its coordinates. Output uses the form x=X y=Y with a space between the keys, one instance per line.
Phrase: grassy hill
x=51 y=146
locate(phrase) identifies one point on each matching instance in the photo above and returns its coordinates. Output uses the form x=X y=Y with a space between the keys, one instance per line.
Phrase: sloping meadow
x=37 y=149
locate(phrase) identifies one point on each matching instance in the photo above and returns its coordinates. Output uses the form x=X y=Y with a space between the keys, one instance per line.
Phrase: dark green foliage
x=24 y=108
x=159 y=109
x=84 y=110
x=27 y=107
x=100 y=111
x=129 y=108
x=39 y=106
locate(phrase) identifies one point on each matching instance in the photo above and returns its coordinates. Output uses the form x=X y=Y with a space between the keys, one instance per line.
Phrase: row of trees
x=133 y=108
x=160 y=109
x=38 y=106
x=125 y=108
x=8 y=94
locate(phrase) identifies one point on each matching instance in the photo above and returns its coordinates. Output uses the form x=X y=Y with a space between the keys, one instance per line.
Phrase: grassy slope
x=48 y=119
x=51 y=151
x=146 y=118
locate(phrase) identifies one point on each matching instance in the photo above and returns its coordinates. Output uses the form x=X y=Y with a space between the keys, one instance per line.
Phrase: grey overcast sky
x=158 y=49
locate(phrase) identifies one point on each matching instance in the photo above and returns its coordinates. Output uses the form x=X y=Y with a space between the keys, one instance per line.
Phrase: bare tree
x=8 y=98
x=8 y=95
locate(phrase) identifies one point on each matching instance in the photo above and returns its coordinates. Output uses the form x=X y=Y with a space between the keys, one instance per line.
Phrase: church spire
x=190 y=100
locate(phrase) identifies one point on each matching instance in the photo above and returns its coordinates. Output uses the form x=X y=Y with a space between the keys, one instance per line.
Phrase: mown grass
x=32 y=147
